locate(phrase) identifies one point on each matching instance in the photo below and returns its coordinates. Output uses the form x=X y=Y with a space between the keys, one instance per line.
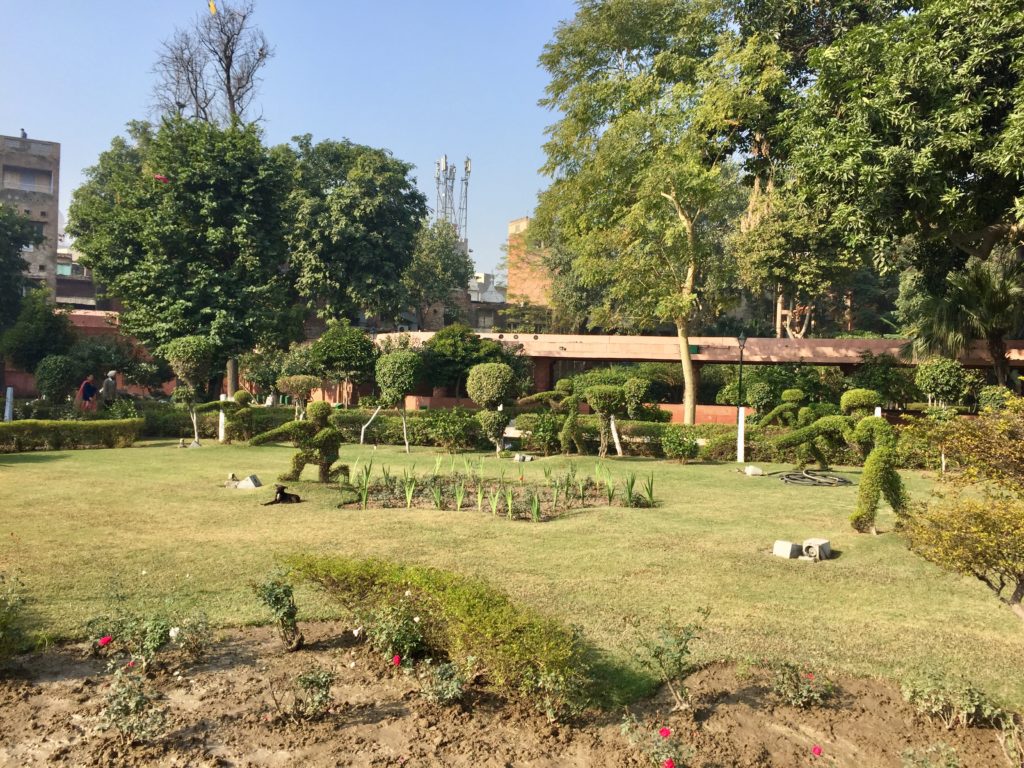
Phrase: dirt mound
x=231 y=711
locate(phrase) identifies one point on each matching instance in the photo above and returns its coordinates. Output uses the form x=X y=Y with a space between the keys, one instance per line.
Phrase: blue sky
x=419 y=78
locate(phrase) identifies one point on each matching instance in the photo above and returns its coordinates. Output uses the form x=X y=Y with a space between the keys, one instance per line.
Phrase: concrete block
x=786 y=549
x=249 y=481
x=752 y=471
x=817 y=549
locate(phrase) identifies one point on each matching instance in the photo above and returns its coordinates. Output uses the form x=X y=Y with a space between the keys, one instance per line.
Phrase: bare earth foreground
x=222 y=712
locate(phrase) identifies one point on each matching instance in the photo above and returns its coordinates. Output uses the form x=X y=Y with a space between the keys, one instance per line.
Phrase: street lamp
x=741 y=341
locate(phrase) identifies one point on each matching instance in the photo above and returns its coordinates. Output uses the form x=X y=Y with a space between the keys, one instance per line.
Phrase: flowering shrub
x=443 y=683
x=313 y=693
x=667 y=653
x=277 y=595
x=799 y=687
x=662 y=746
x=395 y=629
x=128 y=634
x=131 y=708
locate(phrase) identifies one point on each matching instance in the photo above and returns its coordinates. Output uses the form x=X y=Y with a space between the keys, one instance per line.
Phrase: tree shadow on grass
x=613 y=684
x=36 y=457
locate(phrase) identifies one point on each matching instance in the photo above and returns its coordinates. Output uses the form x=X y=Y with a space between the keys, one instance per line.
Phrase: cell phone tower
x=445 y=210
x=463 y=222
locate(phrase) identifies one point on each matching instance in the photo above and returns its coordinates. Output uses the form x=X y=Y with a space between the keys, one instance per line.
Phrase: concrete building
x=30 y=183
x=528 y=279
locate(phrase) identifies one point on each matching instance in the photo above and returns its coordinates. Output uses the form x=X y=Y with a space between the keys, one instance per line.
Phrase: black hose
x=815 y=479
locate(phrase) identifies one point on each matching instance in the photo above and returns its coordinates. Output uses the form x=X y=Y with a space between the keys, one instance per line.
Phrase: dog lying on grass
x=281 y=496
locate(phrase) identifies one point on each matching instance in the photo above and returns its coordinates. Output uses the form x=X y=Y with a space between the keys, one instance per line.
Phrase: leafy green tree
x=40 y=330
x=396 y=376
x=606 y=400
x=191 y=358
x=945 y=381
x=185 y=225
x=262 y=367
x=454 y=350
x=440 y=265
x=642 y=159
x=357 y=215
x=16 y=234
x=344 y=353
x=491 y=385
x=57 y=376
x=913 y=126
x=983 y=301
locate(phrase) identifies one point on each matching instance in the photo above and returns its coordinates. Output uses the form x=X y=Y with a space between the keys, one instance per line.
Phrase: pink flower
x=665 y=733
x=130 y=663
x=161 y=178
x=816 y=750
x=104 y=641
x=810 y=675
x=669 y=763
x=397 y=660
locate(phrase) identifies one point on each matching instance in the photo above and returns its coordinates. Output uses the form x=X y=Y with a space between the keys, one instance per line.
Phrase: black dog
x=281 y=496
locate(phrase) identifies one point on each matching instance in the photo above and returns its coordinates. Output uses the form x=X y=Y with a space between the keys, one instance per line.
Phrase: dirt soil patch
x=222 y=712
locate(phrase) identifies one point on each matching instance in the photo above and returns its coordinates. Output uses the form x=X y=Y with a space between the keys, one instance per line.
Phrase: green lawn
x=154 y=523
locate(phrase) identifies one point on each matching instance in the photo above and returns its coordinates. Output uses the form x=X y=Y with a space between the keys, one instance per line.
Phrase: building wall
x=528 y=279
x=30 y=183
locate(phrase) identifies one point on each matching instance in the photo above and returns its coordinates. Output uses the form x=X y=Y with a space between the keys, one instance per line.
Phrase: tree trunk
x=997 y=349
x=689 y=377
x=362 y=432
x=405 y=433
x=232 y=376
x=195 y=423
x=780 y=304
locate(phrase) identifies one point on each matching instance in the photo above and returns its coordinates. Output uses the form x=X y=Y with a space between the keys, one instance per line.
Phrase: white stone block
x=786 y=549
x=249 y=481
x=817 y=549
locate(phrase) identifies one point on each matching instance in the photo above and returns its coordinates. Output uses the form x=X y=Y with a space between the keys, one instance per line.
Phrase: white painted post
x=878 y=411
x=741 y=438
x=9 y=405
x=222 y=422
x=615 y=436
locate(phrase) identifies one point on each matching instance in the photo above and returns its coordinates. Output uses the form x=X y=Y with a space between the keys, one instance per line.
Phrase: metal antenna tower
x=444 y=175
x=462 y=225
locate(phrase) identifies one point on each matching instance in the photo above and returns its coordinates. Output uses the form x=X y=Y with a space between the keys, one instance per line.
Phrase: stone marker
x=249 y=481
x=817 y=549
x=522 y=457
x=232 y=481
x=752 y=471
x=786 y=549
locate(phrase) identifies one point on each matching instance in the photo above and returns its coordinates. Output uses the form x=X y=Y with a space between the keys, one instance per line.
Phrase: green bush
x=855 y=401
x=540 y=431
x=492 y=425
x=320 y=410
x=12 y=614
x=792 y=395
x=243 y=397
x=516 y=650
x=57 y=376
x=946 y=381
x=635 y=393
x=453 y=429
x=679 y=443
x=760 y=396
x=993 y=396
x=31 y=434
x=491 y=384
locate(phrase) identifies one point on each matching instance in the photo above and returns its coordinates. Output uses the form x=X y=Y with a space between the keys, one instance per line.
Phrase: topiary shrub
x=299 y=388
x=56 y=377
x=606 y=401
x=792 y=395
x=493 y=424
x=879 y=478
x=860 y=402
x=243 y=398
x=453 y=429
x=319 y=411
x=32 y=434
x=634 y=393
x=679 y=443
x=564 y=387
x=396 y=376
x=491 y=384
x=760 y=396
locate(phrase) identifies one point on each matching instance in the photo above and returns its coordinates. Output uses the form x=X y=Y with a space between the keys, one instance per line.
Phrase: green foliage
x=669 y=654
x=452 y=352
x=792 y=396
x=32 y=434
x=935 y=756
x=469 y=623
x=12 y=614
x=884 y=374
x=277 y=595
x=191 y=358
x=994 y=397
x=443 y=683
x=859 y=401
x=299 y=361
x=540 y=431
x=679 y=443
x=40 y=330
x=319 y=411
x=343 y=353
x=200 y=254
x=261 y=368
x=396 y=375
x=141 y=637
x=607 y=401
x=314 y=697
x=440 y=265
x=634 y=392
x=395 y=628
x=799 y=687
x=760 y=396
x=652 y=741
x=16 y=233
x=491 y=384
x=57 y=376
x=243 y=398
x=945 y=381
x=493 y=424
x=952 y=704
x=357 y=213
x=298 y=387
x=131 y=708
x=453 y=429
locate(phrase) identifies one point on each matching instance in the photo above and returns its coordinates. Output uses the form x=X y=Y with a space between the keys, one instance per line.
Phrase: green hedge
x=639 y=438
x=32 y=434
x=438 y=427
x=515 y=649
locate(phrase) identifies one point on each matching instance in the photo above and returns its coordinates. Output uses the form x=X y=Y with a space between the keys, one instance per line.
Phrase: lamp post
x=741 y=341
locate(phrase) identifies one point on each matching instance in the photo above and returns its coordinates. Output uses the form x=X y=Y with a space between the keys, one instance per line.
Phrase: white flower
x=351 y=665
x=173 y=633
x=408 y=592
x=357 y=631
x=416 y=619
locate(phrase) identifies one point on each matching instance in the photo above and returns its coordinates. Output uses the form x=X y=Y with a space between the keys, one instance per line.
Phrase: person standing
x=86 y=399
x=108 y=392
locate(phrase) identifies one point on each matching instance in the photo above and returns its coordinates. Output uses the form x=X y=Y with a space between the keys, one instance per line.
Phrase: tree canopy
x=440 y=265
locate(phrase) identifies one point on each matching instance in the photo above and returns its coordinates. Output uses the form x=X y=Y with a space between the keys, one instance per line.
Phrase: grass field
x=154 y=522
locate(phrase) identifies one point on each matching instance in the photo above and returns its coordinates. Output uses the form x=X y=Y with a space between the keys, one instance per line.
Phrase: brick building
x=30 y=183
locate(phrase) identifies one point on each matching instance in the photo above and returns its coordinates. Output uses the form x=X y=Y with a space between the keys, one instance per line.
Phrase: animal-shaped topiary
x=318 y=443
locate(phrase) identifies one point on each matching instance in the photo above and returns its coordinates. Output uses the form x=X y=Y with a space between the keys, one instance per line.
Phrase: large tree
x=913 y=128
x=210 y=71
x=16 y=234
x=185 y=225
x=644 y=181
x=357 y=213
x=440 y=265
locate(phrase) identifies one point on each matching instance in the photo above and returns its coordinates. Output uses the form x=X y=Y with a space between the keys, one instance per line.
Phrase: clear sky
x=419 y=78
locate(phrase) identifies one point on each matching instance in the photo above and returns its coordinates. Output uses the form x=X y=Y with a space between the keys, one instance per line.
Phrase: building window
x=64 y=270
x=27 y=179
x=37 y=229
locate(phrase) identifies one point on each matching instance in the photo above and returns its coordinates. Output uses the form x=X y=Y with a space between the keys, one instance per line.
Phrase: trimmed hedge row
x=32 y=434
x=517 y=650
x=453 y=429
